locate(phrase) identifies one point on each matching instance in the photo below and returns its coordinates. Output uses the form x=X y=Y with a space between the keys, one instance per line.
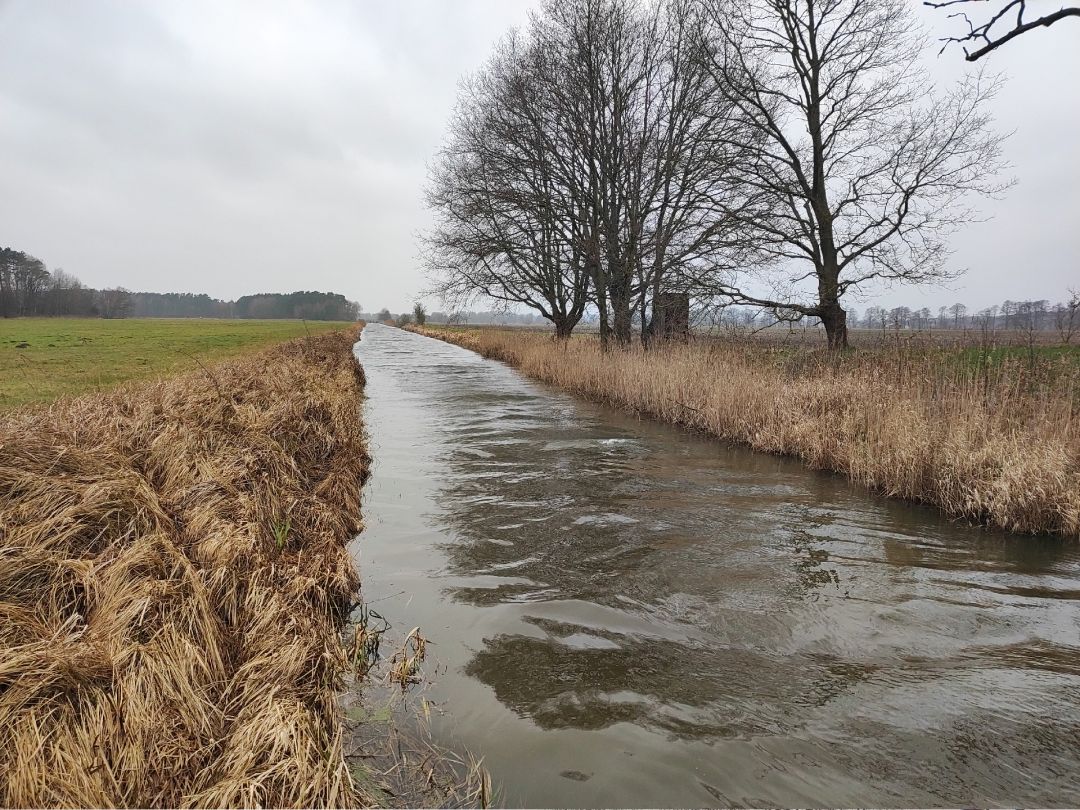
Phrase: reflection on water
x=631 y=615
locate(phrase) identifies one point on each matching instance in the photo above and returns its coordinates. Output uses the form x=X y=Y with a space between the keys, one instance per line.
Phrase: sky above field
x=235 y=147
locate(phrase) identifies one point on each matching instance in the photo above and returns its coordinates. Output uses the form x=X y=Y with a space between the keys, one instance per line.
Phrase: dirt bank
x=173 y=582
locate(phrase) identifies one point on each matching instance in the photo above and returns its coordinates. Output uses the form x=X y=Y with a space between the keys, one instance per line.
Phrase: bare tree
x=900 y=318
x=507 y=225
x=646 y=120
x=697 y=143
x=986 y=319
x=861 y=170
x=1067 y=317
x=584 y=167
x=1007 y=21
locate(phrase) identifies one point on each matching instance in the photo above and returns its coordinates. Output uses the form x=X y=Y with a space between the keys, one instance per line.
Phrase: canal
x=625 y=614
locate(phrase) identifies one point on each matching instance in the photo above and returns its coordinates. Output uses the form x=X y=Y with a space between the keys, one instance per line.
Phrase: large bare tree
x=604 y=59
x=584 y=164
x=1007 y=20
x=859 y=169
x=507 y=226
x=641 y=147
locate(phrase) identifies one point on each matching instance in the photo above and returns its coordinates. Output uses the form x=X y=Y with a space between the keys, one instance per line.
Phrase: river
x=626 y=614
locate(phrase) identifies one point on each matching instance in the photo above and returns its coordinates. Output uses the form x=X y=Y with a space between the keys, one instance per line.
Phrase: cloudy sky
x=235 y=147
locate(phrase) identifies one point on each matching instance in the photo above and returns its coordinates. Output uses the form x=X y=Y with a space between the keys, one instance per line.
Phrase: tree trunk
x=834 y=318
x=646 y=324
x=596 y=273
x=563 y=329
x=623 y=320
x=605 y=328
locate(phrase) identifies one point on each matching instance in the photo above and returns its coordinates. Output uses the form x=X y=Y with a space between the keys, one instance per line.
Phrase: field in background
x=986 y=431
x=45 y=358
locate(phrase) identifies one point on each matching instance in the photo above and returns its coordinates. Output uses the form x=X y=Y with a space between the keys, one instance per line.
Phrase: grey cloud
x=243 y=146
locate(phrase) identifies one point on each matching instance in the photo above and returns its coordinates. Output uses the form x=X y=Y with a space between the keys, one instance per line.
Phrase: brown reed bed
x=988 y=437
x=173 y=585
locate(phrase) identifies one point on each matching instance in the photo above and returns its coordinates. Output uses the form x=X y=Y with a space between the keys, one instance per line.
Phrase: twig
x=210 y=374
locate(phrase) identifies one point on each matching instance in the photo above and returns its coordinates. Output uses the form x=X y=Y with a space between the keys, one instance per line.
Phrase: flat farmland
x=45 y=358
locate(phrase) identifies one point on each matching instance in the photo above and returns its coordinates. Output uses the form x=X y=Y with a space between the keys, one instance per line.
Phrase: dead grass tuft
x=991 y=438
x=173 y=582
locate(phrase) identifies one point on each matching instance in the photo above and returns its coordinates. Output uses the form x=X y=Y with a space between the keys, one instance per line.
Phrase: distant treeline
x=28 y=288
x=313 y=306
x=1062 y=317
x=1025 y=316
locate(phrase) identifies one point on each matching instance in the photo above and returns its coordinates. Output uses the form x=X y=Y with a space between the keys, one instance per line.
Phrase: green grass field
x=45 y=358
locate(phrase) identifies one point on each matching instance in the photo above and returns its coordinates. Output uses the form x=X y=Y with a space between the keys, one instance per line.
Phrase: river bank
x=995 y=443
x=174 y=581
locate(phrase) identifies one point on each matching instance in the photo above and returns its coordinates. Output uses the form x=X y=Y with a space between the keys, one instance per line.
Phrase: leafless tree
x=584 y=166
x=861 y=169
x=1067 y=317
x=507 y=225
x=645 y=124
x=604 y=56
x=986 y=320
x=1007 y=21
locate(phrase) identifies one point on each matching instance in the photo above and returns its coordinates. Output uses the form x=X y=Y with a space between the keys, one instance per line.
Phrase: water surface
x=625 y=614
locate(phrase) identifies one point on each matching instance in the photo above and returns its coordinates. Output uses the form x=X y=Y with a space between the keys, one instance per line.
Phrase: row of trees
x=775 y=153
x=1038 y=316
x=28 y=288
x=1062 y=318
x=313 y=306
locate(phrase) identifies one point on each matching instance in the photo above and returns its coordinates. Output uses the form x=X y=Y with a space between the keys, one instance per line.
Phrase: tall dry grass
x=173 y=580
x=992 y=439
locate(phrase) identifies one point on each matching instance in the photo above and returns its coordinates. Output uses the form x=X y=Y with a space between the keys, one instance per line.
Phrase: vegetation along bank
x=173 y=584
x=988 y=436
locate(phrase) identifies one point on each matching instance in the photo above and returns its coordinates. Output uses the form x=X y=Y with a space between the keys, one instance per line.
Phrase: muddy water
x=628 y=615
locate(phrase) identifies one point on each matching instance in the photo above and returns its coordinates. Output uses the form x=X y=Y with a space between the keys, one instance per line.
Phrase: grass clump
x=173 y=583
x=997 y=443
x=45 y=358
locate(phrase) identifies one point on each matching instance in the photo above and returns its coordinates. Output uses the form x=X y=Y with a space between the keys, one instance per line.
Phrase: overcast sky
x=238 y=147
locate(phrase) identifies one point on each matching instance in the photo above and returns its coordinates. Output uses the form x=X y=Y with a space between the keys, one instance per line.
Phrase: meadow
x=988 y=433
x=45 y=358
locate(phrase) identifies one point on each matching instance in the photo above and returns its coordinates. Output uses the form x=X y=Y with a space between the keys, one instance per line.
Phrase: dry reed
x=173 y=583
x=992 y=440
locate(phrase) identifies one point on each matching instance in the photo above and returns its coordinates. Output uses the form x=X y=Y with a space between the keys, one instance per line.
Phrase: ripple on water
x=685 y=623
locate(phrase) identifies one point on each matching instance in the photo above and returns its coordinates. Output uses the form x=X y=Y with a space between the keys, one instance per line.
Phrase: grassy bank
x=173 y=582
x=44 y=358
x=991 y=438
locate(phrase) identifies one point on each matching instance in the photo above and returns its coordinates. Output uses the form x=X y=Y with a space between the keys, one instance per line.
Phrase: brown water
x=625 y=614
